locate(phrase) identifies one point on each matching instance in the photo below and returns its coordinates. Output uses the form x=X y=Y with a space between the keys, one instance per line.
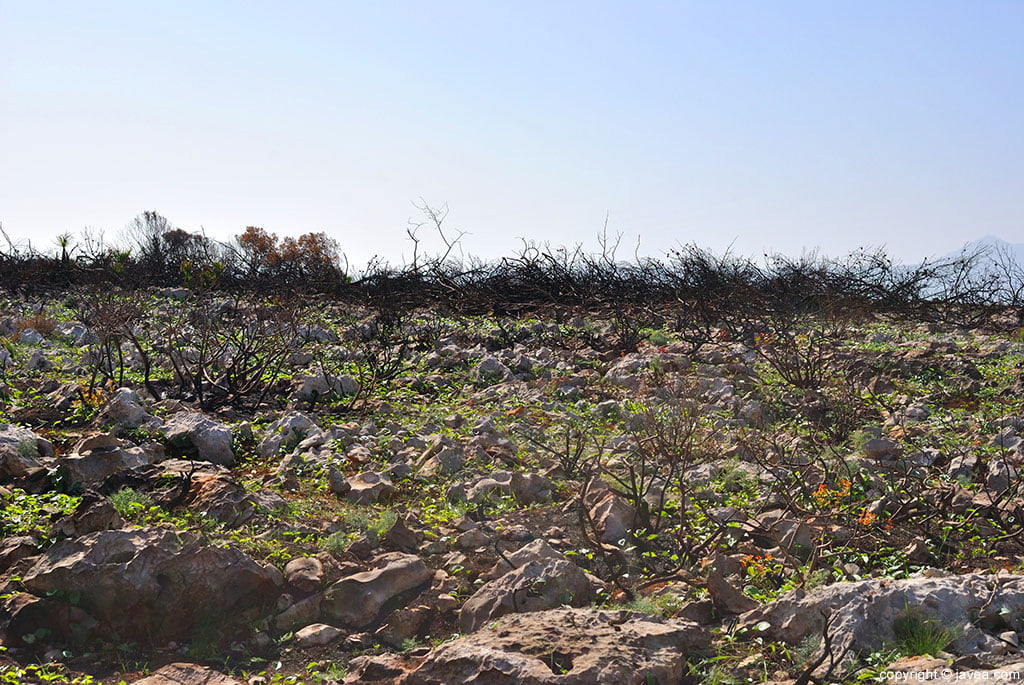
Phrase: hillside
x=317 y=490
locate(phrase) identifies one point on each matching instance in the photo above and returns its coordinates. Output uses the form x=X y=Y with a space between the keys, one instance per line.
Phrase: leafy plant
x=131 y=503
x=23 y=513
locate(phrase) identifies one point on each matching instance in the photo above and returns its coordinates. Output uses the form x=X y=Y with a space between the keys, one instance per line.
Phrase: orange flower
x=866 y=518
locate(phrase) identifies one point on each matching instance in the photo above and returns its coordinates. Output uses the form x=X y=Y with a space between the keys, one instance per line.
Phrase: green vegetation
x=791 y=436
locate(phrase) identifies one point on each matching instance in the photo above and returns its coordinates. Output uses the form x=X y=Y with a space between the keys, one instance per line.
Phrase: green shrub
x=336 y=543
x=131 y=503
x=28 y=449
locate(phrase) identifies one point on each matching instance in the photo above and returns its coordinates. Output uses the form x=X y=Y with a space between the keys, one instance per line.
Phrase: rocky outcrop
x=187 y=674
x=356 y=601
x=535 y=586
x=100 y=456
x=148 y=582
x=125 y=410
x=209 y=440
x=560 y=646
x=21 y=450
x=289 y=430
x=368 y=488
x=861 y=615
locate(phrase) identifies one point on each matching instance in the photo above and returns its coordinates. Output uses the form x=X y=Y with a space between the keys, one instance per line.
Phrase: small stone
x=304 y=573
x=1011 y=638
x=316 y=635
x=472 y=539
x=879 y=448
x=337 y=482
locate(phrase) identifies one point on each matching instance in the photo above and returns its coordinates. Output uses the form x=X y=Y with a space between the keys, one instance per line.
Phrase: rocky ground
x=199 y=489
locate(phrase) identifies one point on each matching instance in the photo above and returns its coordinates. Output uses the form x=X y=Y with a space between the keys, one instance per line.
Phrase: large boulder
x=861 y=615
x=147 y=582
x=528 y=488
x=322 y=386
x=538 y=550
x=100 y=456
x=20 y=450
x=209 y=439
x=288 y=431
x=187 y=674
x=356 y=601
x=221 y=497
x=369 y=488
x=613 y=517
x=125 y=410
x=559 y=646
x=535 y=586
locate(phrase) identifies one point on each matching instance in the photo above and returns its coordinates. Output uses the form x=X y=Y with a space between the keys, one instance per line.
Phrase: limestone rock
x=975 y=607
x=537 y=585
x=317 y=635
x=369 y=488
x=187 y=674
x=148 y=582
x=356 y=601
x=304 y=574
x=559 y=646
x=211 y=440
x=125 y=410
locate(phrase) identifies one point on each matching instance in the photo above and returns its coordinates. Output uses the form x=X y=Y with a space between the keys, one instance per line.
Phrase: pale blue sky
x=767 y=125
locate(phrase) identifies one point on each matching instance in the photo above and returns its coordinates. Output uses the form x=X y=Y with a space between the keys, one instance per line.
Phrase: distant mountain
x=995 y=247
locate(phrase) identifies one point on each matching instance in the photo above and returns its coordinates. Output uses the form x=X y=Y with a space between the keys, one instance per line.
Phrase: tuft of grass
x=665 y=605
x=805 y=651
x=914 y=636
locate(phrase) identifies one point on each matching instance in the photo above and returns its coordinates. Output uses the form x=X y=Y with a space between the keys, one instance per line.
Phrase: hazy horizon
x=778 y=128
